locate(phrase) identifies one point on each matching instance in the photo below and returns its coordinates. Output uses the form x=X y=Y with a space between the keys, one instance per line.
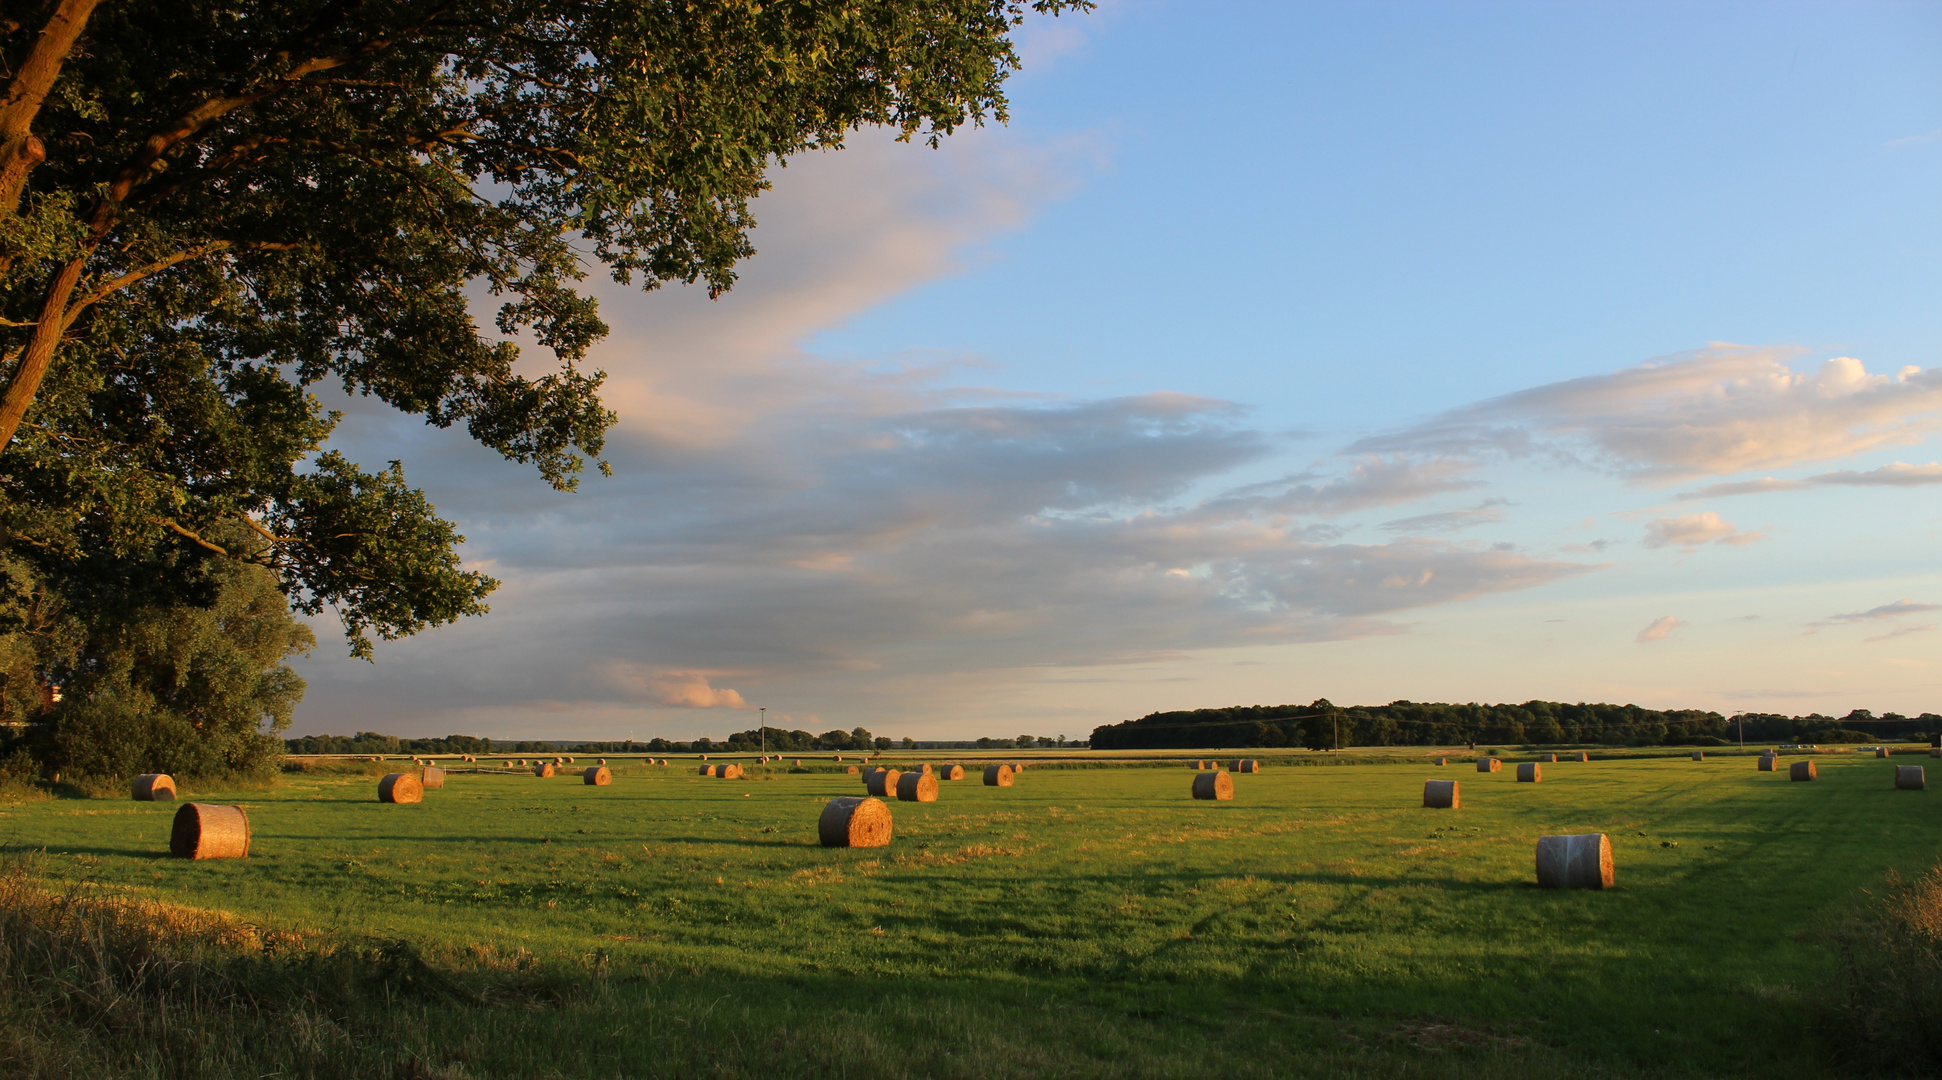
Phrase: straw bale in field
x=925 y=768
x=1910 y=777
x=1442 y=761
x=798 y=764
x=1767 y=762
x=1489 y=764
x=1017 y=767
x=854 y=823
x=917 y=787
x=1552 y=758
x=1699 y=755
x=1247 y=765
x=154 y=787
x=1583 y=861
x=522 y=763
x=882 y=782
x=1529 y=773
x=205 y=831
x=400 y=787
x=432 y=777
x=1882 y=751
x=1583 y=756
x=543 y=769
x=1802 y=770
x=729 y=771
x=597 y=776
x=600 y=761
x=1214 y=785
x=997 y=776
x=952 y=772
x=1441 y=794
x=707 y=770
x=852 y=770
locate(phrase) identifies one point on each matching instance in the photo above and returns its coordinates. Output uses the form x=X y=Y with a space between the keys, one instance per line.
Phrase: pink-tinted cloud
x=1660 y=629
x=1689 y=531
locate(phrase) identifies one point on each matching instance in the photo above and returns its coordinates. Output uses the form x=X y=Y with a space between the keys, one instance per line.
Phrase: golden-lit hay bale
x=153 y=787
x=543 y=769
x=1214 y=785
x=1583 y=756
x=708 y=770
x=597 y=776
x=729 y=771
x=522 y=763
x=882 y=782
x=952 y=772
x=205 y=831
x=798 y=764
x=401 y=787
x=1199 y=765
x=506 y=764
x=1489 y=764
x=997 y=776
x=1017 y=767
x=1441 y=794
x=1442 y=761
x=704 y=757
x=925 y=768
x=1247 y=765
x=431 y=778
x=1552 y=758
x=1882 y=751
x=853 y=770
x=1699 y=755
x=1802 y=770
x=917 y=787
x=838 y=757
x=1768 y=762
x=1583 y=861
x=1529 y=773
x=600 y=761
x=854 y=823
x=1910 y=778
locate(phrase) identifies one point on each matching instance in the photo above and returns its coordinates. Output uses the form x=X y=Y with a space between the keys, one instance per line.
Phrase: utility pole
x=763 y=718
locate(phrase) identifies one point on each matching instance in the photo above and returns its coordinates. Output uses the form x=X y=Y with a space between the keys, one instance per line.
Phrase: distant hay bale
x=600 y=761
x=952 y=772
x=1910 y=778
x=1699 y=755
x=917 y=787
x=507 y=764
x=925 y=768
x=882 y=782
x=1583 y=861
x=1442 y=761
x=798 y=764
x=1767 y=762
x=997 y=776
x=839 y=757
x=401 y=787
x=729 y=771
x=704 y=757
x=707 y=770
x=854 y=823
x=1247 y=765
x=204 y=831
x=597 y=776
x=1882 y=751
x=1489 y=764
x=1802 y=770
x=431 y=778
x=1529 y=773
x=522 y=763
x=1214 y=785
x=1583 y=756
x=1017 y=767
x=1552 y=758
x=154 y=787
x=853 y=770
x=1441 y=794
x=543 y=769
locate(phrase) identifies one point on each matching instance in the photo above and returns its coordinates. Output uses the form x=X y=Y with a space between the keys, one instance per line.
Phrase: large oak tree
x=208 y=207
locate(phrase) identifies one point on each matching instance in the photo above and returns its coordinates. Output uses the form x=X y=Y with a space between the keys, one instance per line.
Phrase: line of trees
x=1322 y=725
x=780 y=740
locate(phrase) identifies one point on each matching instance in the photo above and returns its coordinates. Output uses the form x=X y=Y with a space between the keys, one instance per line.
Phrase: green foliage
x=243 y=200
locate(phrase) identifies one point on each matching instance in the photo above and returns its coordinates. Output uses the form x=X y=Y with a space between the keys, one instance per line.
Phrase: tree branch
x=20 y=151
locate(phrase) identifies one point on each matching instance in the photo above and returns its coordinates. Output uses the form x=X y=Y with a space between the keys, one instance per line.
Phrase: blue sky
x=1272 y=352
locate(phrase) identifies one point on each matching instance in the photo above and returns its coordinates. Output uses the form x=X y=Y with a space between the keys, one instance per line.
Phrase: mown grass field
x=1087 y=921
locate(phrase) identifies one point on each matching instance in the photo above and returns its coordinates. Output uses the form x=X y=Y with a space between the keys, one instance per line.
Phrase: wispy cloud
x=1689 y=531
x=1660 y=629
x=1449 y=521
x=1894 y=474
x=1886 y=611
x=1902 y=631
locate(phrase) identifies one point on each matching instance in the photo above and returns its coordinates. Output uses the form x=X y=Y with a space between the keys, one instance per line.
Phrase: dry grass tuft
x=1889 y=1013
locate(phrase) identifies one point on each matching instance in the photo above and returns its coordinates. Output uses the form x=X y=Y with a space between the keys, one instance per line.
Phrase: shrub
x=1889 y=1012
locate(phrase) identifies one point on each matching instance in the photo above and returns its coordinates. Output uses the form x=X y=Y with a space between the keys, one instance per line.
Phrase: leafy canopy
x=208 y=207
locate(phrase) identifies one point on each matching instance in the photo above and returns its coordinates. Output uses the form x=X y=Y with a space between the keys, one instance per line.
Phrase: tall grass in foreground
x=1890 y=1011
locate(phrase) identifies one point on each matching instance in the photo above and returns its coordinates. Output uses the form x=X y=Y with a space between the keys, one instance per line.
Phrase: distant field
x=1087 y=921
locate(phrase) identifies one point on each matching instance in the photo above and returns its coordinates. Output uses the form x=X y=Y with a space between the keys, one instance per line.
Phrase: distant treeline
x=1323 y=725
x=779 y=741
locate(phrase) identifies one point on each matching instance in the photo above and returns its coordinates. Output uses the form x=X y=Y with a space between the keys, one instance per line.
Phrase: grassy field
x=1087 y=921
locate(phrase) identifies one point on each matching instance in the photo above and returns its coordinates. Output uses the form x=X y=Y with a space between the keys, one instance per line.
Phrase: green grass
x=1084 y=922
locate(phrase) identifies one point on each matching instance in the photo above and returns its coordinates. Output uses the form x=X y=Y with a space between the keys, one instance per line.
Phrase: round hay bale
x=917 y=787
x=1246 y=765
x=704 y=757
x=708 y=770
x=1552 y=758
x=1441 y=794
x=1767 y=762
x=854 y=823
x=153 y=787
x=952 y=772
x=522 y=763
x=1910 y=778
x=1214 y=785
x=543 y=769
x=1017 y=767
x=1529 y=773
x=1699 y=755
x=1802 y=770
x=205 y=831
x=925 y=768
x=400 y=787
x=600 y=761
x=596 y=776
x=882 y=782
x=997 y=776
x=1489 y=764
x=1583 y=861
x=729 y=771
x=507 y=764
x=1442 y=761
x=1583 y=756
x=798 y=764
x=1882 y=751
x=431 y=777
x=853 y=770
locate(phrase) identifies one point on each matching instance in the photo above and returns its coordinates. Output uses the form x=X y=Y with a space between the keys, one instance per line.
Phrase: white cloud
x=1714 y=411
x=1689 y=531
x=1893 y=474
x=1660 y=629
